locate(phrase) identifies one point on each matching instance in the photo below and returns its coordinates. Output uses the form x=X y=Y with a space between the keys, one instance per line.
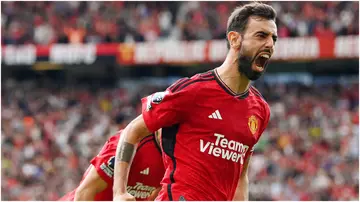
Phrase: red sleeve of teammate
x=104 y=162
x=164 y=109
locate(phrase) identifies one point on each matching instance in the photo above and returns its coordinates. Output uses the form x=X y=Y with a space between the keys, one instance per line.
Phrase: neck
x=231 y=76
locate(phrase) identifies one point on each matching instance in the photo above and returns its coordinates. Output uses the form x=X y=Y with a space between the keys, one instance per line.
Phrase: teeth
x=260 y=68
x=265 y=56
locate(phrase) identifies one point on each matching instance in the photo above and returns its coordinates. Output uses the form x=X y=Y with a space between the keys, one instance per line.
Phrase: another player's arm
x=154 y=194
x=90 y=186
x=242 y=189
x=125 y=152
x=159 y=110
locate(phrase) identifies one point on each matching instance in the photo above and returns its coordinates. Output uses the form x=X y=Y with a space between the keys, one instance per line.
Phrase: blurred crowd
x=310 y=150
x=51 y=131
x=46 y=22
x=49 y=134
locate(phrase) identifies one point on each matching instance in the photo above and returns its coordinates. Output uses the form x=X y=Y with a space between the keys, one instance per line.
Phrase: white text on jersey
x=223 y=148
x=140 y=190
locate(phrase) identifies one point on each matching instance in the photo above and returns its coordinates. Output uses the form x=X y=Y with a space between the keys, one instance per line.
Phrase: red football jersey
x=146 y=172
x=208 y=132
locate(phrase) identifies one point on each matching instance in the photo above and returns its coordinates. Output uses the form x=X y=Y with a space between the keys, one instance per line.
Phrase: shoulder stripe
x=172 y=86
x=177 y=84
x=195 y=81
x=182 y=84
x=145 y=140
x=206 y=74
x=256 y=92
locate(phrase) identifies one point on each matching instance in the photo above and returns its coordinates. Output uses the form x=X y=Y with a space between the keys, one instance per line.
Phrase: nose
x=270 y=43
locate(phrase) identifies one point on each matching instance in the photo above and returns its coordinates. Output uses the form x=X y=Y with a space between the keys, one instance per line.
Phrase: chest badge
x=253 y=124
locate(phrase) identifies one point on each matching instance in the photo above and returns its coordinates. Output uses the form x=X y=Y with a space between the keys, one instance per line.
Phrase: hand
x=124 y=197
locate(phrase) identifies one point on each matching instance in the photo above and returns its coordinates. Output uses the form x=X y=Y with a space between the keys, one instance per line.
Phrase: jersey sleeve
x=104 y=162
x=266 y=121
x=164 y=109
x=262 y=128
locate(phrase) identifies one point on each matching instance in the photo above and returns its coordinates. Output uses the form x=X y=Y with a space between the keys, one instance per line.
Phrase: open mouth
x=261 y=61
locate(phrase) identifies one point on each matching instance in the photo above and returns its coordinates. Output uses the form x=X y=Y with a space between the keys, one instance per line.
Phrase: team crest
x=253 y=124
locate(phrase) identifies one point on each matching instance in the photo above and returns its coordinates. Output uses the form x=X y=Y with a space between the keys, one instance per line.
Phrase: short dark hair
x=239 y=18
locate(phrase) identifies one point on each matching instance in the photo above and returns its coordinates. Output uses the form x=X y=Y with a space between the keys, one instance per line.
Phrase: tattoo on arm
x=125 y=152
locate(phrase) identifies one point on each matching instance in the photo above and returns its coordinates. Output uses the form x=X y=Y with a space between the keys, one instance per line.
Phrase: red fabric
x=195 y=144
x=147 y=157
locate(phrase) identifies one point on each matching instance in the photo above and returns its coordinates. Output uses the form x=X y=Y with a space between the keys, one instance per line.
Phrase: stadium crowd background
x=49 y=134
x=98 y=22
x=51 y=129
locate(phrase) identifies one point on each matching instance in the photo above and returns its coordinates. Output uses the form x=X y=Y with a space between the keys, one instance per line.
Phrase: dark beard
x=244 y=66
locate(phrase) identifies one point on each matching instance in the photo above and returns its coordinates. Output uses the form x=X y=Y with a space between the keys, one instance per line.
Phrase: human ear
x=234 y=39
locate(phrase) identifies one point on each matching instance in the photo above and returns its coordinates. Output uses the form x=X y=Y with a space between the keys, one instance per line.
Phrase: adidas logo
x=145 y=172
x=215 y=115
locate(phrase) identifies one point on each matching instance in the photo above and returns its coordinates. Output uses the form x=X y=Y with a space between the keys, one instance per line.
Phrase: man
x=211 y=121
x=145 y=174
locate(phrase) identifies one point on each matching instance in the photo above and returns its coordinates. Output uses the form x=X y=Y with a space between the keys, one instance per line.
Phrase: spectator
x=308 y=152
x=109 y=22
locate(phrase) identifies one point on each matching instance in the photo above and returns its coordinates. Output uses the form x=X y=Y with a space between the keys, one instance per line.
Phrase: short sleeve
x=164 y=109
x=104 y=162
x=267 y=118
x=249 y=152
x=262 y=128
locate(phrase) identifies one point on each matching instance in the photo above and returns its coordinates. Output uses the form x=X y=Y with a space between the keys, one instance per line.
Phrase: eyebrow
x=275 y=37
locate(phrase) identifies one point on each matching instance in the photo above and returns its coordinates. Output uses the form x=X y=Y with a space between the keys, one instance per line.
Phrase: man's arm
x=242 y=189
x=154 y=194
x=125 y=152
x=90 y=186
